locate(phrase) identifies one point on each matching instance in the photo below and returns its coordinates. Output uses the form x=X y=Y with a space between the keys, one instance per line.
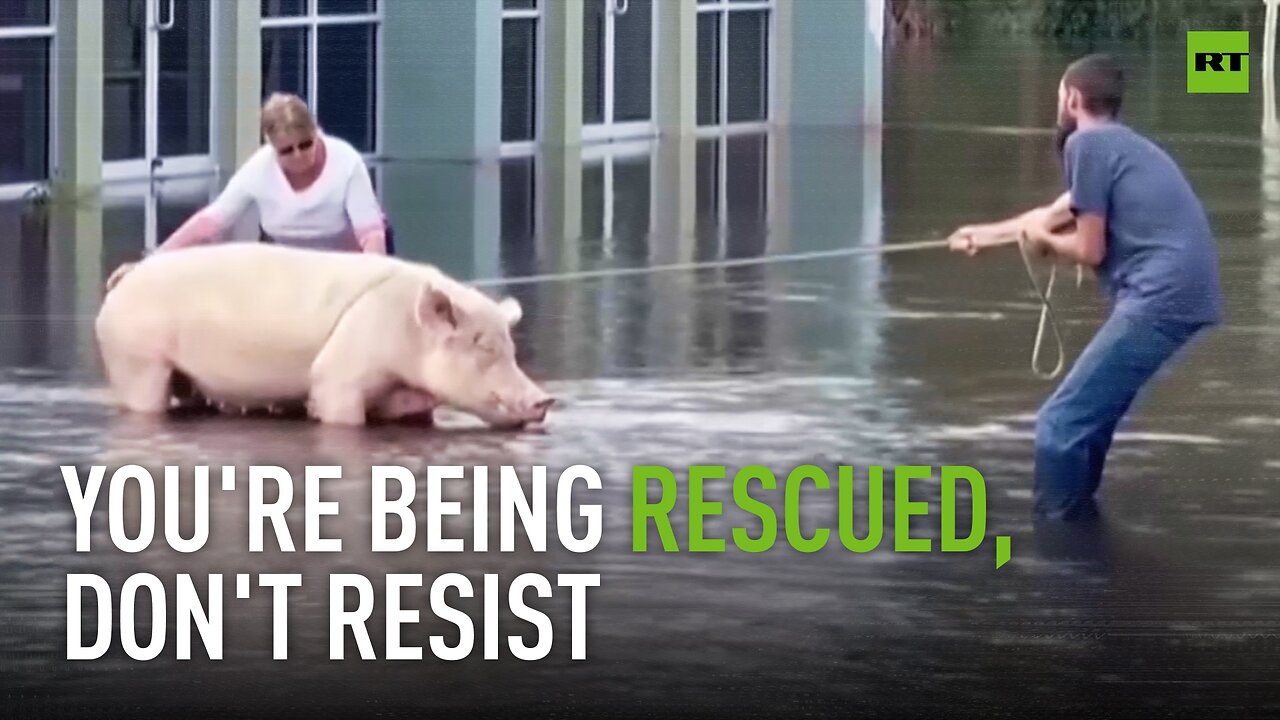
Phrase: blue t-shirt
x=1161 y=257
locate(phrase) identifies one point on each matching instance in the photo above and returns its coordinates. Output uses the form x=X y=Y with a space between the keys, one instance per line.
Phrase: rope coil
x=1046 y=312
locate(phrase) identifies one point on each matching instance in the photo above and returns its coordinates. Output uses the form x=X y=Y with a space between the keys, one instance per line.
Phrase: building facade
x=102 y=92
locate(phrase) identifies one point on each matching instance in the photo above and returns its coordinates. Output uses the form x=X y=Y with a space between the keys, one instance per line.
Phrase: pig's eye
x=485 y=347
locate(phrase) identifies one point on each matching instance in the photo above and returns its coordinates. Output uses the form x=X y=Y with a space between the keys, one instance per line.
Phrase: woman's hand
x=118 y=274
x=374 y=241
x=199 y=229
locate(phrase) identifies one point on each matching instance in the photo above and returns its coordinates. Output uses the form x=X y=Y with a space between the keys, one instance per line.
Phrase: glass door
x=144 y=214
x=156 y=72
x=617 y=69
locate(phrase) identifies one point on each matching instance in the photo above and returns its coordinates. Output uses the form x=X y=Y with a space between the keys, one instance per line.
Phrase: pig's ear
x=434 y=306
x=511 y=310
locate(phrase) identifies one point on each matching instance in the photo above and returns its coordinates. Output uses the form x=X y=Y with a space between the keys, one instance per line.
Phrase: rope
x=710 y=264
x=1047 y=314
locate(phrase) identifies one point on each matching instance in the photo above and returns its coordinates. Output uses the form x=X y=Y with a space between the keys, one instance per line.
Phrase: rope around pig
x=1047 y=314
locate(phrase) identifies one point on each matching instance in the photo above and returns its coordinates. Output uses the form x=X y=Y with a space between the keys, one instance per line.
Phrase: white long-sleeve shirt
x=331 y=213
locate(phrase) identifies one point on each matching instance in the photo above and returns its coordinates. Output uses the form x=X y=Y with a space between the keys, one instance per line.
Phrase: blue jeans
x=1075 y=426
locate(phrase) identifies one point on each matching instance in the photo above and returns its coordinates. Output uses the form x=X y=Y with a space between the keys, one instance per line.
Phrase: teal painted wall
x=443 y=85
x=835 y=63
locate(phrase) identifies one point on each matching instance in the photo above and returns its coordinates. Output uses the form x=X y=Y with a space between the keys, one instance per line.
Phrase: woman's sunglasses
x=303 y=146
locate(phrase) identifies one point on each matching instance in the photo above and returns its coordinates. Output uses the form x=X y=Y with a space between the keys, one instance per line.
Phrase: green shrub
x=1071 y=19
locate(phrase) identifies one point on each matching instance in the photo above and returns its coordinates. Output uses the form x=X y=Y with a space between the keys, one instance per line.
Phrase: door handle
x=161 y=24
x=620 y=7
x=152 y=176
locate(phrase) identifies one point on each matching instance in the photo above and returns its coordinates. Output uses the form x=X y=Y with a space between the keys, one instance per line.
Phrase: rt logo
x=1217 y=62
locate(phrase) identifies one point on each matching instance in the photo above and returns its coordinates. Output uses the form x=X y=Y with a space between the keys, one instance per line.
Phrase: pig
x=350 y=337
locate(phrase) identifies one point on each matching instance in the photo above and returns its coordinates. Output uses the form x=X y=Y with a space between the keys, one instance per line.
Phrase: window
x=26 y=37
x=519 y=70
x=327 y=52
x=733 y=61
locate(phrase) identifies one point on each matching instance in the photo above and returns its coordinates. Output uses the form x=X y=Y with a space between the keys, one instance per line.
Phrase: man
x=1131 y=215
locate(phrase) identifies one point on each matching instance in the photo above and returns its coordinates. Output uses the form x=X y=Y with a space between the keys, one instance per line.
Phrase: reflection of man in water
x=1139 y=224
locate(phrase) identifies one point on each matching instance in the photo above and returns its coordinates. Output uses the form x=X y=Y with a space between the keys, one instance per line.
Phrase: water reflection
x=1086 y=542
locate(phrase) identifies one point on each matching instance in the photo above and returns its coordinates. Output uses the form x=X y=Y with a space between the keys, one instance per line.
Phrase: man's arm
x=1057 y=215
x=971 y=238
x=1086 y=244
x=1091 y=176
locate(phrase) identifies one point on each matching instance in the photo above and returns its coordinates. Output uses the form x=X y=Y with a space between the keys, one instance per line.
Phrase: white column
x=236 y=80
x=236 y=88
x=1269 y=124
x=677 y=69
x=77 y=97
x=873 y=64
x=560 y=101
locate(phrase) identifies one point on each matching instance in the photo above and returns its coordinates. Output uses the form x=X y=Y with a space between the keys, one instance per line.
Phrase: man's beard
x=1065 y=129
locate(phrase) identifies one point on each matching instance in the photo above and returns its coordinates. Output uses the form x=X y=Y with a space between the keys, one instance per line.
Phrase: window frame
x=311 y=20
x=524 y=148
x=724 y=9
x=19 y=189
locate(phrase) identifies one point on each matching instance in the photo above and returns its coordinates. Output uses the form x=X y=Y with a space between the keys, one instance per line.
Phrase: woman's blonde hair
x=286 y=112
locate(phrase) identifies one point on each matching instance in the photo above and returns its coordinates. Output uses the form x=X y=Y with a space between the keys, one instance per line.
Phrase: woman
x=310 y=190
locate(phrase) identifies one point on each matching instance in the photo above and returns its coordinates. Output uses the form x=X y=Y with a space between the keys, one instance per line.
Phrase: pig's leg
x=135 y=355
x=339 y=393
x=347 y=376
x=141 y=383
x=337 y=403
x=406 y=404
x=339 y=386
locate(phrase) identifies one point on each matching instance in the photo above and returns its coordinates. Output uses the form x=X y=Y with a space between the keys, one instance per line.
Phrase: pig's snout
x=540 y=407
x=531 y=409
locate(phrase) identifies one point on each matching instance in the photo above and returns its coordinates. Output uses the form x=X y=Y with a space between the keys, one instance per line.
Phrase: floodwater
x=1170 y=604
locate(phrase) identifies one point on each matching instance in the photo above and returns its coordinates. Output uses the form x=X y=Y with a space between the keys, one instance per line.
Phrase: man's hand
x=964 y=240
x=1081 y=241
x=1038 y=242
x=970 y=239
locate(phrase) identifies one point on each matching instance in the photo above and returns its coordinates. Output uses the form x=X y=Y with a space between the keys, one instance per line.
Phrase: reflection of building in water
x=1270 y=285
x=746 y=195
x=63 y=252
x=23 y=300
x=1269 y=68
x=53 y=279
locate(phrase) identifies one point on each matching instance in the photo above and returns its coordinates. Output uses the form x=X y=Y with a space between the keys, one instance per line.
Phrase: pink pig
x=351 y=336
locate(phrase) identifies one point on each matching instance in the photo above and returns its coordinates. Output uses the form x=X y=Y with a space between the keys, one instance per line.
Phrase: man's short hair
x=1100 y=80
